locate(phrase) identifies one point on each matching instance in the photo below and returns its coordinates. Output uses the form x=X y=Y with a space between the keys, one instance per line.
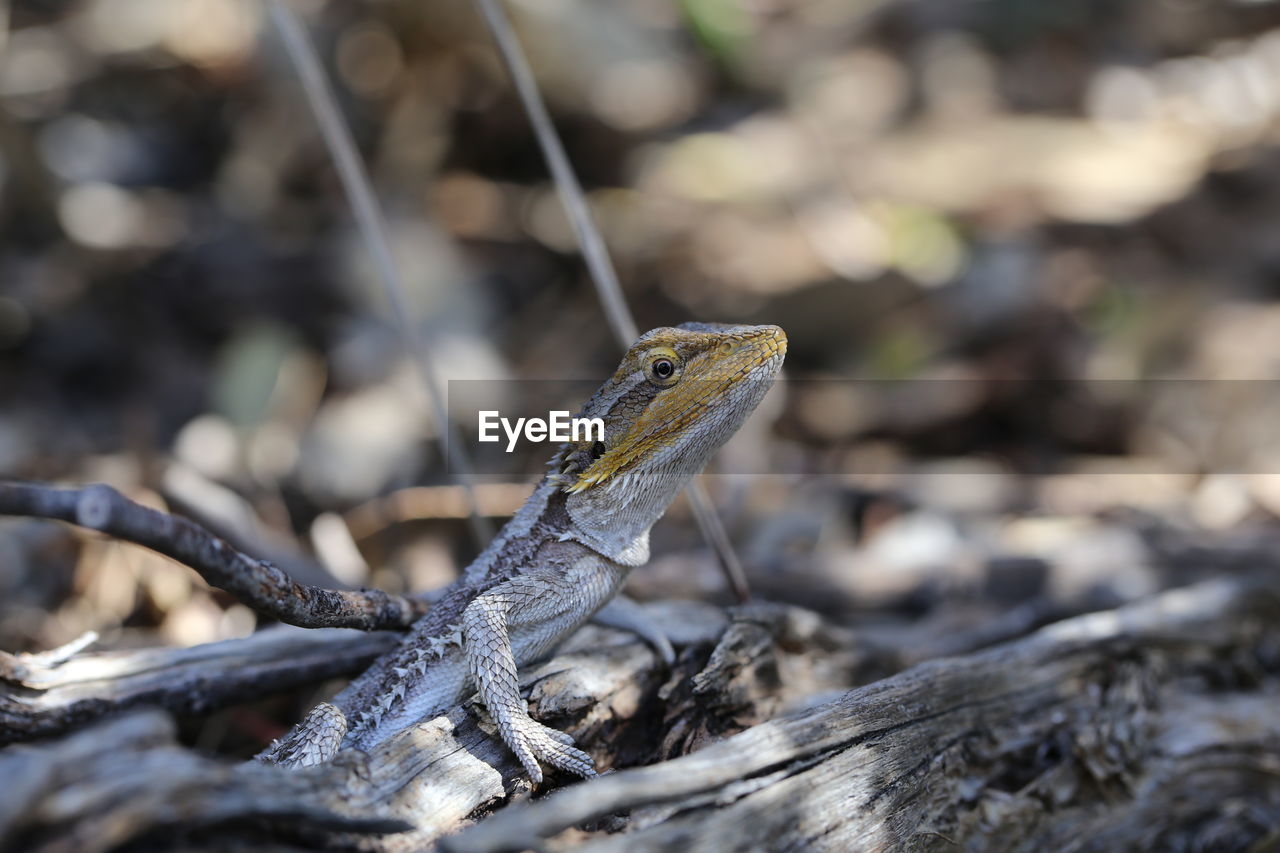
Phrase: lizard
x=677 y=396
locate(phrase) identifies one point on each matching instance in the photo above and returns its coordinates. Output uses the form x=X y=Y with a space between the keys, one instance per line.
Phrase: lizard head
x=677 y=396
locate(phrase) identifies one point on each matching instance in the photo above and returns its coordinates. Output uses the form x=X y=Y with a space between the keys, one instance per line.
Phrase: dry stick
x=257 y=583
x=41 y=696
x=596 y=256
x=100 y=789
x=18 y=667
x=373 y=230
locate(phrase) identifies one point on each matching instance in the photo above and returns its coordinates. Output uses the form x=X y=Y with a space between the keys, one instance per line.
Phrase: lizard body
x=677 y=396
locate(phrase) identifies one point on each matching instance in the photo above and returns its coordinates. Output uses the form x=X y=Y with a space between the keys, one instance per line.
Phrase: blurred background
x=1019 y=249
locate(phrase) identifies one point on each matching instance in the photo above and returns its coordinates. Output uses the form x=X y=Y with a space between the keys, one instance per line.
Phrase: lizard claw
x=536 y=743
x=572 y=760
x=555 y=734
x=557 y=749
x=527 y=758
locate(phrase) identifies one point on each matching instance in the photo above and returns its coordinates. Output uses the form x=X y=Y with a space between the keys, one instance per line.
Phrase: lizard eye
x=663 y=366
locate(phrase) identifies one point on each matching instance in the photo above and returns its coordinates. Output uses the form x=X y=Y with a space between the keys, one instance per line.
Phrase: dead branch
x=226 y=514
x=46 y=694
x=120 y=780
x=1100 y=732
x=257 y=583
x=1029 y=745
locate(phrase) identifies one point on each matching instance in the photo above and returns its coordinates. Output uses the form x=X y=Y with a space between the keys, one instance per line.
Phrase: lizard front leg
x=545 y=602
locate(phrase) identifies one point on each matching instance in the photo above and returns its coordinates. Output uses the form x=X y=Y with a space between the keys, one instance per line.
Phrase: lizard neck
x=613 y=521
x=614 y=518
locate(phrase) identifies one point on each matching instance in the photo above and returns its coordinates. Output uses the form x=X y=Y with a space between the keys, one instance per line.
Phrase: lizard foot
x=533 y=742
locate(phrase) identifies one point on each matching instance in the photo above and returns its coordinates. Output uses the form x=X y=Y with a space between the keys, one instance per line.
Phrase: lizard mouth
x=721 y=386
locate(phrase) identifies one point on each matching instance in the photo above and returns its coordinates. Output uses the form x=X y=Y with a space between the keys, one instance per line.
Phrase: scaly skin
x=677 y=396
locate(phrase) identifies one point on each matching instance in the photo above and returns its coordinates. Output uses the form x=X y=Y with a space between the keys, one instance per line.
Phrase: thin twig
x=592 y=244
x=373 y=229
x=257 y=583
x=704 y=512
x=18 y=667
x=596 y=255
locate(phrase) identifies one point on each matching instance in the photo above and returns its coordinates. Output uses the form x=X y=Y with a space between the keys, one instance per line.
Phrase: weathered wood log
x=43 y=695
x=1097 y=732
x=439 y=773
x=1091 y=734
x=602 y=687
x=52 y=692
x=118 y=781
